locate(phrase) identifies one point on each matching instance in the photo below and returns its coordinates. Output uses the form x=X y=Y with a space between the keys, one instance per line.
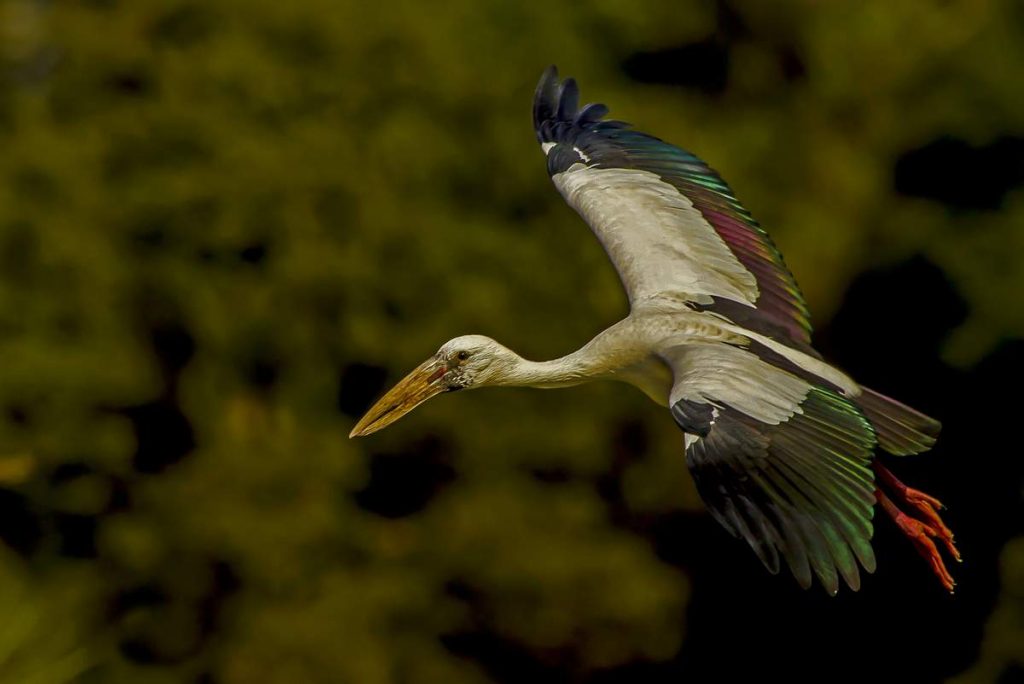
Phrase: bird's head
x=461 y=363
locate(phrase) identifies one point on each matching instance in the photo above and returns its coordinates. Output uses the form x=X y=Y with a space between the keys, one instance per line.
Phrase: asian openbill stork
x=781 y=444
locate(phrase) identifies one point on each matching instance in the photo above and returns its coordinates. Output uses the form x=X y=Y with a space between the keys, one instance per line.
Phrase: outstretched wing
x=779 y=461
x=670 y=224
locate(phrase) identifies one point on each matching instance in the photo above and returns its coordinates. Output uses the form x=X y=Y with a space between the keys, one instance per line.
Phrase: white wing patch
x=722 y=374
x=658 y=241
x=805 y=361
x=545 y=147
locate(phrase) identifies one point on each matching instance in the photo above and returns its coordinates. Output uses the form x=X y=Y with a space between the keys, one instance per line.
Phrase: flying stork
x=781 y=445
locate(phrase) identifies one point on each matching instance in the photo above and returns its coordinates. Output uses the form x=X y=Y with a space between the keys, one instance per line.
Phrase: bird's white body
x=669 y=353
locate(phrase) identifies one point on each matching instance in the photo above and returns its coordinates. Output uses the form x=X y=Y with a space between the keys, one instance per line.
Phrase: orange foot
x=928 y=506
x=920 y=530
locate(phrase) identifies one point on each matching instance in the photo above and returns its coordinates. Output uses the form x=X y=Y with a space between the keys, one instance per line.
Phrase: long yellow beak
x=413 y=390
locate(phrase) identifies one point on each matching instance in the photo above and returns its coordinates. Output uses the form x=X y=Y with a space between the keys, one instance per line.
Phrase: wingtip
x=545 y=99
x=557 y=104
x=547 y=86
x=568 y=100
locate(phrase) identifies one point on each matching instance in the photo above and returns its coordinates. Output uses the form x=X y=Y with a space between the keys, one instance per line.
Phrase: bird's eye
x=462 y=355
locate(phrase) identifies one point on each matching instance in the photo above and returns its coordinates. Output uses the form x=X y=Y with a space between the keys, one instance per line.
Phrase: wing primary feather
x=545 y=101
x=568 y=100
x=812 y=529
x=833 y=524
x=590 y=114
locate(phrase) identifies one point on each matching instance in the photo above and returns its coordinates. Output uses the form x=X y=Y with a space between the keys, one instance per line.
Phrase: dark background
x=226 y=227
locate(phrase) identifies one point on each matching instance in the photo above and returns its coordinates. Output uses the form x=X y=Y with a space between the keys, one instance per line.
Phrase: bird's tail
x=901 y=430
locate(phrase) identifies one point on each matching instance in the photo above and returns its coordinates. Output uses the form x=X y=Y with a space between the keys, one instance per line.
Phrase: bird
x=783 y=447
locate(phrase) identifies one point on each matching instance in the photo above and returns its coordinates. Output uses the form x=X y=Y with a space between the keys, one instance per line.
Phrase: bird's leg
x=928 y=505
x=920 y=530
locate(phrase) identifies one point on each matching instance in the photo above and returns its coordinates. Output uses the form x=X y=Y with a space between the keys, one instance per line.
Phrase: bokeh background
x=226 y=226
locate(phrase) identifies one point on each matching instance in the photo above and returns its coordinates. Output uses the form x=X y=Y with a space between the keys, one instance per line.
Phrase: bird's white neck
x=568 y=370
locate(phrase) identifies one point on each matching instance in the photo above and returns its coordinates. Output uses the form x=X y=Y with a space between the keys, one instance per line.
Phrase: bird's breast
x=652 y=376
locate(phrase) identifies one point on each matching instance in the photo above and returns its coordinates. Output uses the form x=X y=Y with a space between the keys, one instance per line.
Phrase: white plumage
x=658 y=242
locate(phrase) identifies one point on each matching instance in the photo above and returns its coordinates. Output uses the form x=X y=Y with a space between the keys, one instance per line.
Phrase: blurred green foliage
x=266 y=193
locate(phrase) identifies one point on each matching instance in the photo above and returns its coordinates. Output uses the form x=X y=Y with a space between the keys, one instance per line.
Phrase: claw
x=926 y=504
x=920 y=499
x=921 y=532
x=929 y=507
x=921 y=535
